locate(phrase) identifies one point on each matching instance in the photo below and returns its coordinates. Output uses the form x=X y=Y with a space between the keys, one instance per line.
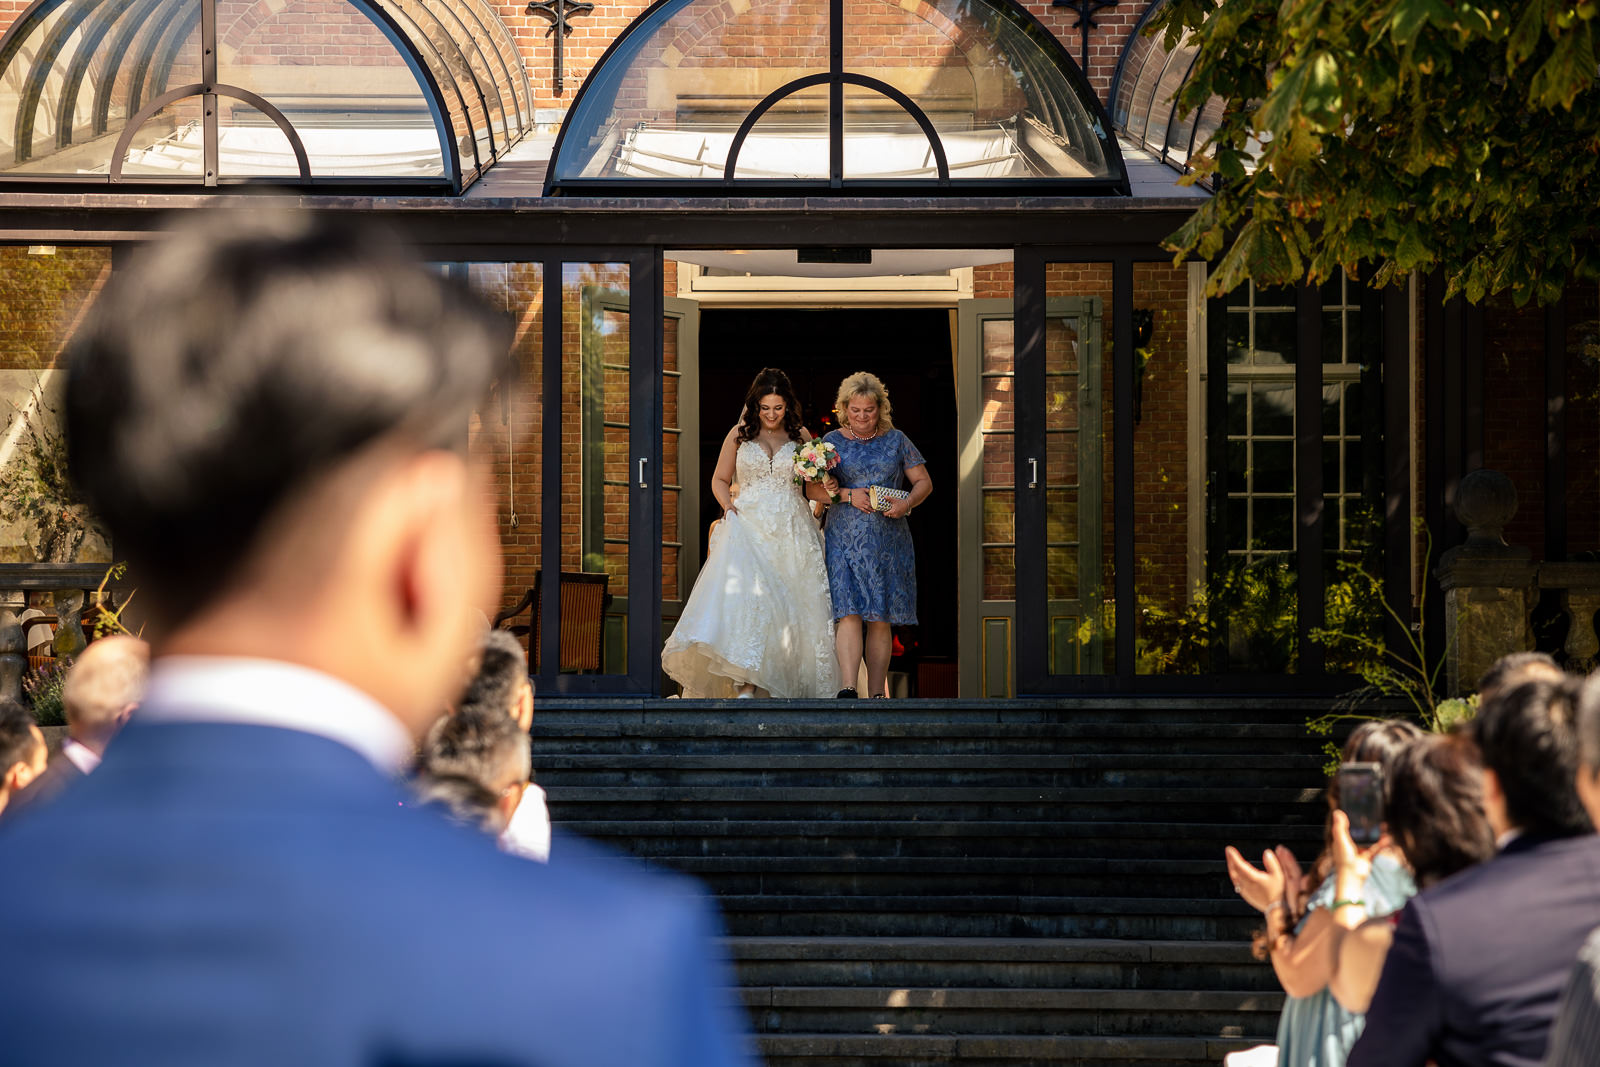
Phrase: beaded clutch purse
x=882 y=497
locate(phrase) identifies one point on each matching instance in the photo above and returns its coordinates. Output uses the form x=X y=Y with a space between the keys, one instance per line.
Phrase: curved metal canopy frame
x=99 y=70
x=1092 y=126
x=941 y=161
x=1137 y=100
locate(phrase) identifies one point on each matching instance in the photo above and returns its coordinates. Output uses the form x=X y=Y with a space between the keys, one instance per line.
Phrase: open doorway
x=911 y=350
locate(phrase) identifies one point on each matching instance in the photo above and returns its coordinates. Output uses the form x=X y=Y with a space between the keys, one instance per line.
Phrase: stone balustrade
x=71 y=587
x=1491 y=588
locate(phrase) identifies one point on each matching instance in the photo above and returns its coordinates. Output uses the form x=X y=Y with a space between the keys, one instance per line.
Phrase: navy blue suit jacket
x=221 y=894
x=1477 y=967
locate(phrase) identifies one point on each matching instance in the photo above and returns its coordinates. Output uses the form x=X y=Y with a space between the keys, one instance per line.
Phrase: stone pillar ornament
x=1489 y=586
x=13 y=654
x=70 y=638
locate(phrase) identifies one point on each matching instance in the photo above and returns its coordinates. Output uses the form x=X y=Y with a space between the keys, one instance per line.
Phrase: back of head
x=501 y=674
x=1528 y=736
x=18 y=741
x=1435 y=808
x=1512 y=670
x=232 y=363
x=469 y=760
x=105 y=681
x=1379 y=741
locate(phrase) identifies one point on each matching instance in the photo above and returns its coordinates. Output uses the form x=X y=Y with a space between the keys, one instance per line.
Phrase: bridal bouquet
x=813 y=460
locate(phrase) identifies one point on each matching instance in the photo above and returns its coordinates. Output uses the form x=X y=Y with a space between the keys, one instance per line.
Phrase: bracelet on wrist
x=1276 y=905
x=1356 y=903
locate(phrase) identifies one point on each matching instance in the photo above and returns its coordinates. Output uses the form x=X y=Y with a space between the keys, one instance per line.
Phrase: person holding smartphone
x=1305 y=915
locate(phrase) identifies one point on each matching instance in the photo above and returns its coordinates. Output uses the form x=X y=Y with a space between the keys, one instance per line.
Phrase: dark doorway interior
x=910 y=349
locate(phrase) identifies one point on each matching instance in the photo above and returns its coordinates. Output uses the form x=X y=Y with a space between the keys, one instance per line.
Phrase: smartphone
x=1361 y=799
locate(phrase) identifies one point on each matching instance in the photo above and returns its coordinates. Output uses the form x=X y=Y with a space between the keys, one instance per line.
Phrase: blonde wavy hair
x=864 y=383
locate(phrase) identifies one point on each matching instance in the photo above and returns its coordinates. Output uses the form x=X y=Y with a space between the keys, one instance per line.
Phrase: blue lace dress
x=872 y=566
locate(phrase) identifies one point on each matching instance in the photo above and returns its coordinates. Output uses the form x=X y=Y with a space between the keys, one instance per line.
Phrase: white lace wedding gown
x=759 y=612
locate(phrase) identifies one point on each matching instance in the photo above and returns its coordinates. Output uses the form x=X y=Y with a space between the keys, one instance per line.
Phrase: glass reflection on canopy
x=1144 y=97
x=958 y=92
x=410 y=92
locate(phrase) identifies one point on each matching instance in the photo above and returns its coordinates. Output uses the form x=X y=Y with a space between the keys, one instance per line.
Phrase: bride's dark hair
x=770 y=382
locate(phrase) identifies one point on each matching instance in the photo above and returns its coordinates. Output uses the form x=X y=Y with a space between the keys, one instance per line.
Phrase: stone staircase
x=915 y=882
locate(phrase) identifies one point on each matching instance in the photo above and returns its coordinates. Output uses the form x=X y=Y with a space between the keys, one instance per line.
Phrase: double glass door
x=572 y=436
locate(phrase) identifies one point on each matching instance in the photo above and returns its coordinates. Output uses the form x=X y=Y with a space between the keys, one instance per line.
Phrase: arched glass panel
x=406 y=91
x=789 y=142
x=1144 y=96
x=1004 y=100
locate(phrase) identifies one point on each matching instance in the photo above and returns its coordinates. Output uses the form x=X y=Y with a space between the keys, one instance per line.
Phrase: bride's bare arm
x=722 y=477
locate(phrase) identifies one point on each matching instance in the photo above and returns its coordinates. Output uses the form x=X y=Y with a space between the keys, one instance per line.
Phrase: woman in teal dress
x=872 y=565
x=1302 y=933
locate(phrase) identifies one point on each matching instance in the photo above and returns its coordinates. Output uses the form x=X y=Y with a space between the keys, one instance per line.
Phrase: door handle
x=1033 y=474
x=643 y=484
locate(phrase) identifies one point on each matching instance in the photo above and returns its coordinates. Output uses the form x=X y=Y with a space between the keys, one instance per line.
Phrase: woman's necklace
x=857 y=437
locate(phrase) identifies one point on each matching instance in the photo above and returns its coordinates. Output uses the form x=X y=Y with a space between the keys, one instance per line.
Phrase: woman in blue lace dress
x=872 y=566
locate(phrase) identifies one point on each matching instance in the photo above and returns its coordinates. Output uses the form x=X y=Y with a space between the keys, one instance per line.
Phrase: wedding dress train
x=759 y=613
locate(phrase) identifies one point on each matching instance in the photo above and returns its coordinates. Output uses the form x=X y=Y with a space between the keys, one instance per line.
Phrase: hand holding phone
x=1361 y=799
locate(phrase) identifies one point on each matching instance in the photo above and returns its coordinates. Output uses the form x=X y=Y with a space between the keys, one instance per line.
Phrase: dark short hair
x=17 y=739
x=1435 y=807
x=1529 y=738
x=1510 y=668
x=1589 y=723
x=235 y=360
x=466 y=758
x=502 y=671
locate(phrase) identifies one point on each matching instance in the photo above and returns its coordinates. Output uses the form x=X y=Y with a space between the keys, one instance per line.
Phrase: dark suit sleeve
x=1405 y=1017
x=713 y=1029
x=1576 y=1034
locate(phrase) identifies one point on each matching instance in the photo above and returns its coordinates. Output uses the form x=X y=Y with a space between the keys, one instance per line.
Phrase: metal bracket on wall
x=558 y=12
x=1086 y=10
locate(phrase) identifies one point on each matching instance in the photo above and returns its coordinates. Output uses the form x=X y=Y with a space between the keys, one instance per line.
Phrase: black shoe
x=846 y=694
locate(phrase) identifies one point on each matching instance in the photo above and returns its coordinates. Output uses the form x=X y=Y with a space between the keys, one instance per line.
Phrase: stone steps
x=928 y=803
x=662 y=839
x=925 y=882
x=919 y=1050
x=1000 y=963
x=837 y=769
x=952 y=875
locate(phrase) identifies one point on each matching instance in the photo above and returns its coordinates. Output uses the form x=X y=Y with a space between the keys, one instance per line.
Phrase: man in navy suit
x=269 y=413
x=1479 y=960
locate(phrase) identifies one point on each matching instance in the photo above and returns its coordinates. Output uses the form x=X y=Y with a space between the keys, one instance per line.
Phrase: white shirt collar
x=82 y=756
x=264 y=692
x=1506 y=838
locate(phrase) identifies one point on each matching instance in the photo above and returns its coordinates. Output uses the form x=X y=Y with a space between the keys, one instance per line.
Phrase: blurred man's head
x=1588 y=776
x=1508 y=672
x=500 y=684
x=22 y=750
x=269 y=411
x=103 y=687
x=475 y=764
x=1529 y=739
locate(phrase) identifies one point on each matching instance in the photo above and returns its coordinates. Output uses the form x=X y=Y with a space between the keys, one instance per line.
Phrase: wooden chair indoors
x=584 y=601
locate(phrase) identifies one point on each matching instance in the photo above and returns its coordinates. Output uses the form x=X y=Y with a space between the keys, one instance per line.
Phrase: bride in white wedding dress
x=759 y=617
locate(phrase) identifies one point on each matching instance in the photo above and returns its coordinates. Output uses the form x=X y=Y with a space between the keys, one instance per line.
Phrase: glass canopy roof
x=296 y=92
x=704 y=96
x=1144 y=97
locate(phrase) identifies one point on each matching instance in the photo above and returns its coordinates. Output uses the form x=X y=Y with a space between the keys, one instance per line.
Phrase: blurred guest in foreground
x=500 y=687
x=1479 y=960
x=268 y=410
x=1510 y=671
x=22 y=751
x=1575 y=1038
x=474 y=767
x=1302 y=933
x=1434 y=801
x=103 y=687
